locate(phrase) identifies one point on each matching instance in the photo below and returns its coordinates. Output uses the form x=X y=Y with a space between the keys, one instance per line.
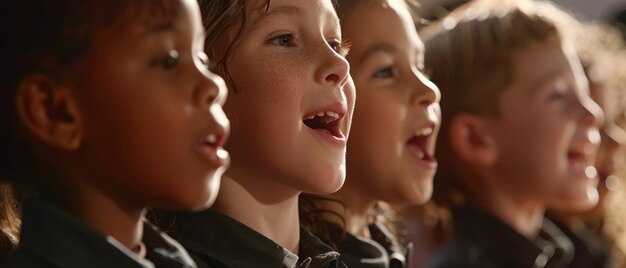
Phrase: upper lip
x=217 y=138
x=338 y=108
x=585 y=150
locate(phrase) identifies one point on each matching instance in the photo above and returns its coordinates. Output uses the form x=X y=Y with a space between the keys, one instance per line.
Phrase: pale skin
x=289 y=66
x=397 y=106
x=88 y=125
x=550 y=104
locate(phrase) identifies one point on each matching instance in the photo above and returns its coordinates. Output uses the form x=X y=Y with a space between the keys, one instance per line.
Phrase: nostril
x=425 y=102
x=332 y=78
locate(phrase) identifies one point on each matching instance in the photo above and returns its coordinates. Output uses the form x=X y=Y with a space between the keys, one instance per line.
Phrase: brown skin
x=521 y=155
x=288 y=64
x=395 y=101
x=127 y=129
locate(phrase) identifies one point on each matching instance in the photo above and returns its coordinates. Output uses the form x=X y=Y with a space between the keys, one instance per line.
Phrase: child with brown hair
x=518 y=126
x=108 y=108
x=391 y=149
x=291 y=108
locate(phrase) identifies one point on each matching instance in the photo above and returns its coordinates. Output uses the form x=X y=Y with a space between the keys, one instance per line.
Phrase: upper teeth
x=424 y=132
x=211 y=138
x=332 y=114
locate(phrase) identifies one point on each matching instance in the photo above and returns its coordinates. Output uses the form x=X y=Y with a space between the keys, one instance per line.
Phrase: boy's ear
x=49 y=111
x=472 y=141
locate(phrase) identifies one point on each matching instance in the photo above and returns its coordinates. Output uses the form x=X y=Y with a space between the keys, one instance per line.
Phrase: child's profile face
x=293 y=107
x=609 y=158
x=547 y=130
x=152 y=116
x=391 y=149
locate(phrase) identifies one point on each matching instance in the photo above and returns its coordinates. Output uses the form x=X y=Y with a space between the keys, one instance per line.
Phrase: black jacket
x=50 y=237
x=481 y=240
x=382 y=251
x=217 y=240
x=590 y=250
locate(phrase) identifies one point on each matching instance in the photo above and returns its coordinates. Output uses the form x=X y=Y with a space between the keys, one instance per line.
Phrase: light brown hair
x=470 y=55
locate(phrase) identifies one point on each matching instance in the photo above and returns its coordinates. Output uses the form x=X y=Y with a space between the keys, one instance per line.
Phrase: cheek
x=378 y=124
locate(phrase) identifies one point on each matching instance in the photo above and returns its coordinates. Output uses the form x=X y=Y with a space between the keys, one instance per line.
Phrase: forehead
x=541 y=61
x=308 y=10
x=388 y=21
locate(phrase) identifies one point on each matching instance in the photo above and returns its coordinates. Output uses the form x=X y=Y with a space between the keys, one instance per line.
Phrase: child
x=599 y=49
x=518 y=126
x=291 y=112
x=391 y=150
x=105 y=116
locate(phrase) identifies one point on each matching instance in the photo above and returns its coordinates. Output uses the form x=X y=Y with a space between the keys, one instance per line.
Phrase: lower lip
x=579 y=167
x=415 y=152
x=327 y=137
x=215 y=156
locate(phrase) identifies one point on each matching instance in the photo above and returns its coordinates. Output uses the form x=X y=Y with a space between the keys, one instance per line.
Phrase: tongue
x=317 y=124
x=418 y=146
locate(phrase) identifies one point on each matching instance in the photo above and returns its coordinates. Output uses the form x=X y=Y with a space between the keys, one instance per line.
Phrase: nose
x=592 y=115
x=426 y=92
x=333 y=70
x=211 y=89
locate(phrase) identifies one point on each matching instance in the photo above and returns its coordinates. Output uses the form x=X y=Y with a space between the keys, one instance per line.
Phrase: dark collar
x=590 y=249
x=496 y=239
x=398 y=255
x=52 y=236
x=216 y=238
x=382 y=251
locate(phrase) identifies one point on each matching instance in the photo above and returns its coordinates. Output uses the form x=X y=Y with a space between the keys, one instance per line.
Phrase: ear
x=49 y=111
x=472 y=140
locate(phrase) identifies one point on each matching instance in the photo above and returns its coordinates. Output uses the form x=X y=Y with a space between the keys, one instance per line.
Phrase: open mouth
x=326 y=122
x=418 y=144
x=213 y=140
x=579 y=161
x=212 y=148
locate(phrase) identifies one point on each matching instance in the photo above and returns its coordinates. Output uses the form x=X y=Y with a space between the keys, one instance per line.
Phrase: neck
x=269 y=208
x=523 y=214
x=355 y=209
x=569 y=220
x=106 y=215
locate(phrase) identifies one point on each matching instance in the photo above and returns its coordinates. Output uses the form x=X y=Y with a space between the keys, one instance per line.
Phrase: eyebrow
x=384 y=47
x=161 y=28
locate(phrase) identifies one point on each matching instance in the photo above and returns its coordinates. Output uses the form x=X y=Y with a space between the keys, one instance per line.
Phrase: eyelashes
x=291 y=40
x=341 y=47
x=169 y=61
x=284 y=40
x=172 y=57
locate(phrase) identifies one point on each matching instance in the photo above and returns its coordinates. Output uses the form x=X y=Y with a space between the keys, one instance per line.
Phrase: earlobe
x=472 y=141
x=49 y=112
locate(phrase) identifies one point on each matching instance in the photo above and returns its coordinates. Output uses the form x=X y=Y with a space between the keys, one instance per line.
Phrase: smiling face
x=397 y=117
x=152 y=116
x=293 y=107
x=547 y=129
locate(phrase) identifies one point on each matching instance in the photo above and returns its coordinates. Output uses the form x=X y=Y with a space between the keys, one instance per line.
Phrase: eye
x=558 y=96
x=428 y=73
x=386 y=72
x=170 y=61
x=342 y=48
x=284 y=40
x=204 y=59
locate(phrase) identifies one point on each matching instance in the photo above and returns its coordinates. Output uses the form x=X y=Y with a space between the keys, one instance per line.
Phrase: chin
x=330 y=183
